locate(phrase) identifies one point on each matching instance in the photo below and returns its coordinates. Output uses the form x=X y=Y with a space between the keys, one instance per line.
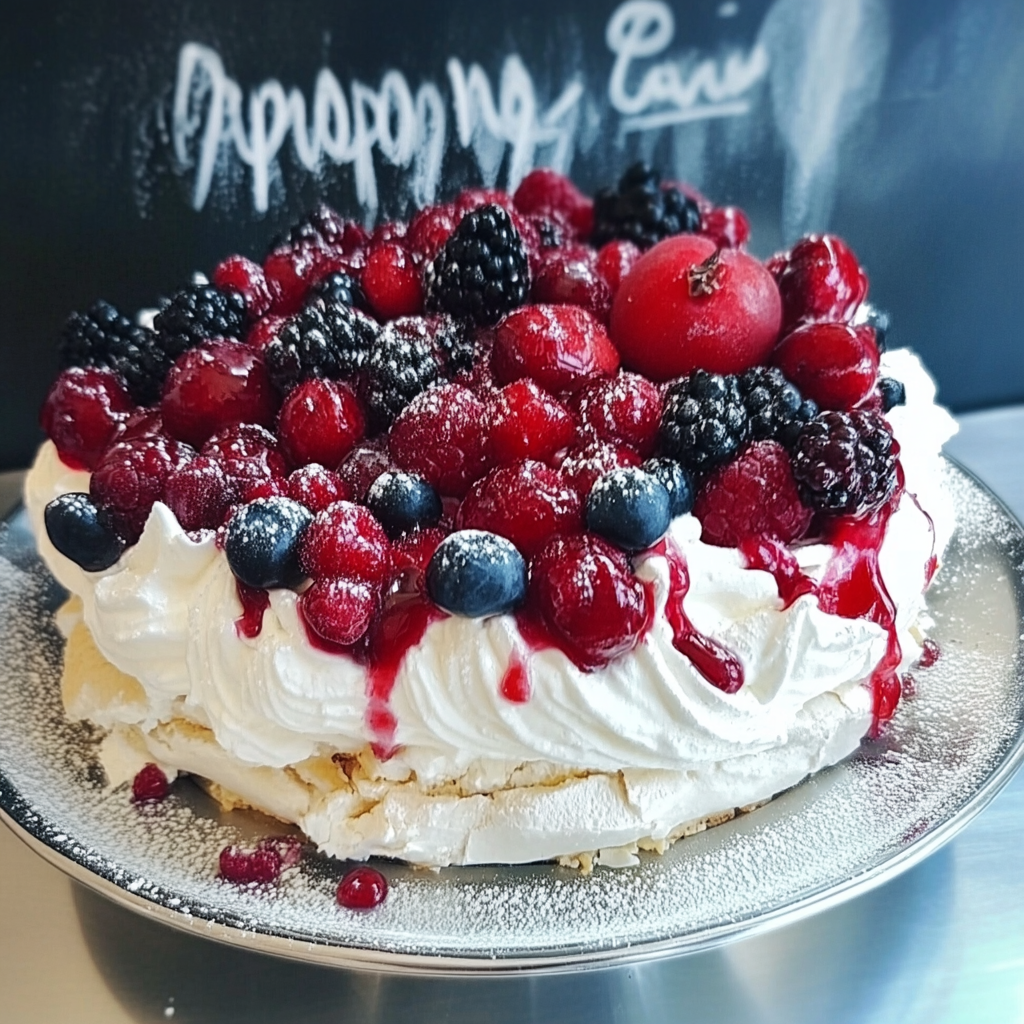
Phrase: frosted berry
x=726 y=226
x=402 y=502
x=197 y=313
x=582 y=465
x=754 y=496
x=262 y=542
x=326 y=228
x=392 y=282
x=625 y=409
x=546 y=193
x=81 y=530
x=246 y=441
x=150 y=785
x=892 y=393
x=820 y=279
x=346 y=541
x=571 y=275
x=242 y=275
x=264 y=331
x=526 y=502
x=587 y=595
x=84 y=411
x=704 y=422
x=404 y=361
x=316 y=487
x=642 y=210
x=834 y=365
x=244 y=867
x=525 y=422
x=430 y=229
x=340 y=286
x=775 y=407
x=199 y=493
x=412 y=551
x=339 y=610
x=441 y=435
x=362 y=889
x=320 y=421
x=364 y=464
x=475 y=573
x=615 y=260
x=562 y=348
x=630 y=508
x=676 y=480
x=292 y=270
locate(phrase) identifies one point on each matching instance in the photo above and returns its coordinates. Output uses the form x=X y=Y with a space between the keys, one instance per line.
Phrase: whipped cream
x=592 y=760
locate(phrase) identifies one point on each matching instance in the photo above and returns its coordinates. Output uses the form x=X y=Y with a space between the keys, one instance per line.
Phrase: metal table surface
x=941 y=944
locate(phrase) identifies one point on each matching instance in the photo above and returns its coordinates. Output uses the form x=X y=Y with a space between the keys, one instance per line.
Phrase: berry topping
x=104 y=338
x=262 y=542
x=264 y=331
x=571 y=276
x=364 y=464
x=892 y=393
x=362 y=889
x=320 y=421
x=624 y=410
x=482 y=271
x=213 y=386
x=246 y=441
x=392 y=282
x=150 y=785
x=404 y=362
x=525 y=422
x=84 y=411
x=548 y=194
x=845 y=462
x=526 y=502
x=82 y=531
x=430 y=229
x=588 y=596
x=687 y=305
x=198 y=313
x=642 y=210
x=561 y=347
x=292 y=271
x=583 y=465
x=754 y=496
x=241 y=275
x=199 y=493
x=326 y=339
x=342 y=287
x=726 y=226
x=615 y=260
x=776 y=409
x=834 y=365
x=820 y=279
x=403 y=502
x=676 y=480
x=441 y=435
x=244 y=867
x=413 y=551
x=339 y=610
x=345 y=540
x=475 y=573
x=326 y=228
x=630 y=508
x=705 y=422
x=316 y=487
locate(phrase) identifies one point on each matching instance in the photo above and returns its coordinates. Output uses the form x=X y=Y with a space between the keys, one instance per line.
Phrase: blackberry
x=322 y=226
x=197 y=313
x=403 y=362
x=845 y=462
x=775 y=407
x=341 y=287
x=103 y=337
x=454 y=338
x=642 y=210
x=704 y=421
x=324 y=339
x=482 y=272
x=892 y=392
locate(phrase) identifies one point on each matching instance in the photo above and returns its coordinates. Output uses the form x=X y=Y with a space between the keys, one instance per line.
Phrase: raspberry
x=403 y=362
x=776 y=408
x=642 y=210
x=362 y=889
x=820 y=279
x=482 y=271
x=753 y=496
x=199 y=493
x=292 y=270
x=84 y=412
x=316 y=487
x=704 y=422
x=441 y=435
x=623 y=410
x=392 y=282
x=561 y=347
x=339 y=610
x=246 y=441
x=526 y=502
x=547 y=193
x=835 y=365
x=264 y=331
x=131 y=476
x=615 y=260
x=213 y=386
x=150 y=785
x=242 y=275
x=320 y=421
x=571 y=276
x=588 y=596
x=430 y=229
x=726 y=226
x=845 y=463
x=198 y=313
x=364 y=464
x=583 y=465
x=345 y=541
x=525 y=422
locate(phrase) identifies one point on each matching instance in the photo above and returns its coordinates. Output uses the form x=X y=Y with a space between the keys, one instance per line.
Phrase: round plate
x=952 y=745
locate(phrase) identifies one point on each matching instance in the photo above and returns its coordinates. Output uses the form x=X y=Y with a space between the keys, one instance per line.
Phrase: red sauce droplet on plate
x=930 y=653
x=362 y=889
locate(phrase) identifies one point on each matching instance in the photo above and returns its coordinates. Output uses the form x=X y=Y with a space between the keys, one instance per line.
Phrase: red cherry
x=84 y=411
x=615 y=260
x=835 y=365
x=214 y=385
x=571 y=276
x=525 y=422
x=624 y=410
x=392 y=282
x=316 y=487
x=583 y=465
x=150 y=785
x=544 y=192
x=339 y=610
x=588 y=596
x=262 y=865
x=346 y=541
x=561 y=347
x=320 y=421
x=526 y=502
x=683 y=308
x=293 y=269
x=362 y=889
x=726 y=226
x=820 y=279
x=247 y=278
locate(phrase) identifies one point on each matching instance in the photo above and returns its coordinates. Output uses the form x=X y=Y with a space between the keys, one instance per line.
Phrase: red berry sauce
x=930 y=653
x=773 y=556
x=515 y=684
x=254 y=603
x=362 y=889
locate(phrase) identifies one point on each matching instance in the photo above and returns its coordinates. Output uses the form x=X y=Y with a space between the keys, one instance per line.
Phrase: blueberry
x=892 y=391
x=676 y=479
x=262 y=542
x=475 y=573
x=82 y=531
x=402 y=502
x=878 y=320
x=630 y=508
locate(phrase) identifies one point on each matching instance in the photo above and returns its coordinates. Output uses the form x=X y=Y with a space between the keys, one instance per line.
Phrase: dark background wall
x=896 y=123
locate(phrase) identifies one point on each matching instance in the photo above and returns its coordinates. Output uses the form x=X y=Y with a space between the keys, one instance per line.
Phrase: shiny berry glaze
x=515 y=684
x=572 y=276
x=392 y=282
x=771 y=555
x=820 y=279
x=150 y=785
x=726 y=226
x=254 y=603
x=525 y=422
x=320 y=421
x=833 y=364
x=247 y=278
x=362 y=889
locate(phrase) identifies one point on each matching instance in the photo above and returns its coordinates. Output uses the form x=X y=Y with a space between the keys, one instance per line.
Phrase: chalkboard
x=144 y=141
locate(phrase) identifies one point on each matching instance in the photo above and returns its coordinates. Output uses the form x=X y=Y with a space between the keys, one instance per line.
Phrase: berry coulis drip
x=773 y=556
x=932 y=564
x=254 y=603
x=515 y=684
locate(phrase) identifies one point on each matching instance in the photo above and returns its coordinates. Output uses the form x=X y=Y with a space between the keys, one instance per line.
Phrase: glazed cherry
x=835 y=365
x=525 y=422
x=820 y=279
x=247 y=278
x=345 y=541
x=362 y=889
x=150 y=785
x=615 y=260
x=546 y=193
x=292 y=270
x=623 y=410
x=199 y=493
x=320 y=421
x=571 y=275
x=264 y=331
x=363 y=465
x=392 y=282
x=726 y=226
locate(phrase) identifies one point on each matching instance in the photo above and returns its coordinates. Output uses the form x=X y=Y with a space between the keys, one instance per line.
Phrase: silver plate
x=948 y=751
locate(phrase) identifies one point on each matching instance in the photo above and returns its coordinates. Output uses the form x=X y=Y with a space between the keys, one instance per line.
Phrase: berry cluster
x=495 y=405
